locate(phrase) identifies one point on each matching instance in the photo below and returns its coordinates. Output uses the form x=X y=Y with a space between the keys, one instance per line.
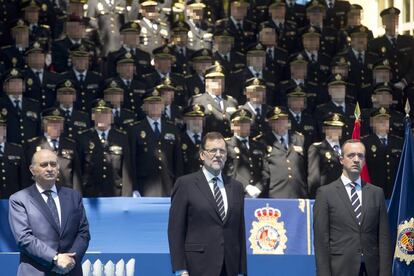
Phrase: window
x=406 y=11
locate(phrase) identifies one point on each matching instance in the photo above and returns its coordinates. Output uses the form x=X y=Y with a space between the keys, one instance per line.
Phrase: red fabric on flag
x=356 y=134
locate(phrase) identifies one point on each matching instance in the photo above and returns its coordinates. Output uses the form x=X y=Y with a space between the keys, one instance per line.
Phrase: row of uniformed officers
x=274 y=151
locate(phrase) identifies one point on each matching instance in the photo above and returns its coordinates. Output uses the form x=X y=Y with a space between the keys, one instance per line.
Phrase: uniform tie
x=197 y=139
x=360 y=58
x=157 y=130
x=55 y=144
x=282 y=141
x=383 y=141
x=219 y=199
x=103 y=137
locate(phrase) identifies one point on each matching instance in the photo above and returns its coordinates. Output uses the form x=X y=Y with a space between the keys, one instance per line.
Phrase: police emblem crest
x=268 y=235
x=405 y=242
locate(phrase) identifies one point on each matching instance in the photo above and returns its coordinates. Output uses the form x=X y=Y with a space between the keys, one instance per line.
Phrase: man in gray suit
x=48 y=222
x=351 y=231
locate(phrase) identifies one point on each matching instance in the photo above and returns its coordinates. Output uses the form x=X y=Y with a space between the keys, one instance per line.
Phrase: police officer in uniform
x=156 y=151
x=13 y=165
x=75 y=120
x=323 y=157
x=181 y=49
x=397 y=49
x=200 y=61
x=383 y=151
x=295 y=13
x=245 y=158
x=172 y=113
x=37 y=32
x=133 y=86
x=88 y=83
x=255 y=91
x=114 y=95
x=75 y=36
x=130 y=42
x=338 y=104
x=218 y=106
x=154 y=32
x=163 y=62
x=65 y=148
x=285 y=156
x=336 y=12
x=40 y=83
x=300 y=120
x=105 y=156
x=193 y=116
x=201 y=29
x=13 y=55
x=22 y=114
x=361 y=64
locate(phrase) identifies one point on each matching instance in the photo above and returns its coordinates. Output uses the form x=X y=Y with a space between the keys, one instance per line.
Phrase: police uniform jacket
x=157 y=161
x=287 y=166
x=383 y=160
x=216 y=119
x=106 y=167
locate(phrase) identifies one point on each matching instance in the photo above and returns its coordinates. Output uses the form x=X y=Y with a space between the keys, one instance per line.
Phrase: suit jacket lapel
x=343 y=194
x=365 y=199
x=64 y=204
x=38 y=200
x=229 y=192
x=202 y=184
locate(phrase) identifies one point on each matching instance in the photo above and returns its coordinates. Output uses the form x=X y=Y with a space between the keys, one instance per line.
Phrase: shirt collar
x=106 y=132
x=235 y=21
x=77 y=73
x=209 y=176
x=41 y=189
x=68 y=109
x=49 y=139
x=295 y=114
x=332 y=143
x=383 y=137
x=357 y=52
x=241 y=138
x=13 y=98
x=285 y=137
x=151 y=121
x=347 y=181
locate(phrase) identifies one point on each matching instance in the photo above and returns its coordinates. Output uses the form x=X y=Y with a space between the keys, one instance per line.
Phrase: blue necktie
x=52 y=206
x=157 y=130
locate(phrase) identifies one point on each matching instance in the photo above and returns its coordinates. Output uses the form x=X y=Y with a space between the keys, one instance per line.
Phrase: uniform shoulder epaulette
x=396 y=137
x=196 y=95
x=240 y=53
x=45 y=26
x=250 y=22
x=342 y=53
x=364 y=136
x=285 y=82
x=32 y=100
x=256 y=138
x=17 y=145
x=97 y=73
x=317 y=143
x=83 y=131
x=163 y=23
x=188 y=76
x=320 y=105
x=7 y=46
x=59 y=39
x=32 y=139
x=83 y=112
x=281 y=49
x=127 y=110
x=299 y=133
x=70 y=139
x=237 y=71
x=134 y=123
x=120 y=131
x=227 y=138
x=218 y=22
x=146 y=75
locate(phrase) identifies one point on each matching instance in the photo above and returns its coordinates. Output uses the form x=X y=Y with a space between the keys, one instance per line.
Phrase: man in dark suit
x=206 y=223
x=351 y=231
x=48 y=222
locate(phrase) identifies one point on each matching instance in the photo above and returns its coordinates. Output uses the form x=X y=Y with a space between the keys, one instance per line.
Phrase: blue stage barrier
x=278 y=235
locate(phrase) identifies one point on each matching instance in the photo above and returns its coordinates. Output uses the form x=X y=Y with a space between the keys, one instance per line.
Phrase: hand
x=253 y=191
x=65 y=262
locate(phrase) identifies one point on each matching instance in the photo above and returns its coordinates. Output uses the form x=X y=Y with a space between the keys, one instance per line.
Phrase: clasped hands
x=65 y=262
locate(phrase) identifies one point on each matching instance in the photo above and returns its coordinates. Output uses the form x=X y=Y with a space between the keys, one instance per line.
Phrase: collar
x=382 y=137
x=391 y=37
x=151 y=121
x=49 y=139
x=209 y=176
x=75 y=41
x=13 y=98
x=41 y=189
x=254 y=106
x=339 y=105
x=356 y=53
x=37 y=70
x=332 y=143
x=191 y=134
x=77 y=73
x=100 y=132
x=285 y=137
x=346 y=181
x=235 y=21
x=295 y=114
x=241 y=138
x=254 y=72
x=309 y=53
x=70 y=109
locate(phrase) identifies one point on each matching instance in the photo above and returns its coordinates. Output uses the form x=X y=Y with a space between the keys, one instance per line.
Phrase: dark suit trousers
x=363 y=270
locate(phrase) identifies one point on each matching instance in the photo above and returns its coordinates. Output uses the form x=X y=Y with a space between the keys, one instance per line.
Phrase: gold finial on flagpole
x=407 y=109
x=357 y=111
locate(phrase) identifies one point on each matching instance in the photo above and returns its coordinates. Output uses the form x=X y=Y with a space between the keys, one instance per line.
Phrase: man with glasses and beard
x=206 y=226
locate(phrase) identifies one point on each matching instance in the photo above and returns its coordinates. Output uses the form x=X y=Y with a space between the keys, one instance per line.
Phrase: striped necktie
x=356 y=203
x=219 y=199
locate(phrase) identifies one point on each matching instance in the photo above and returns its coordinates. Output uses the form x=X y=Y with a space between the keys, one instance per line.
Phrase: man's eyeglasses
x=214 y=151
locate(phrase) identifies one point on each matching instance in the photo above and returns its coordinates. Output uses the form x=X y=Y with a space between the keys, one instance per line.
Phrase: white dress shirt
x=54 y=196
x=151 y=123
x=209 y=176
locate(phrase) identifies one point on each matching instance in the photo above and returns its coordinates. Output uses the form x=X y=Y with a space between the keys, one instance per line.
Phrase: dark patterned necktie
x=219 y=199
x=196 y=139
x=157 y=130
x=356 y=203
x=55 y=144
x=52 y=206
